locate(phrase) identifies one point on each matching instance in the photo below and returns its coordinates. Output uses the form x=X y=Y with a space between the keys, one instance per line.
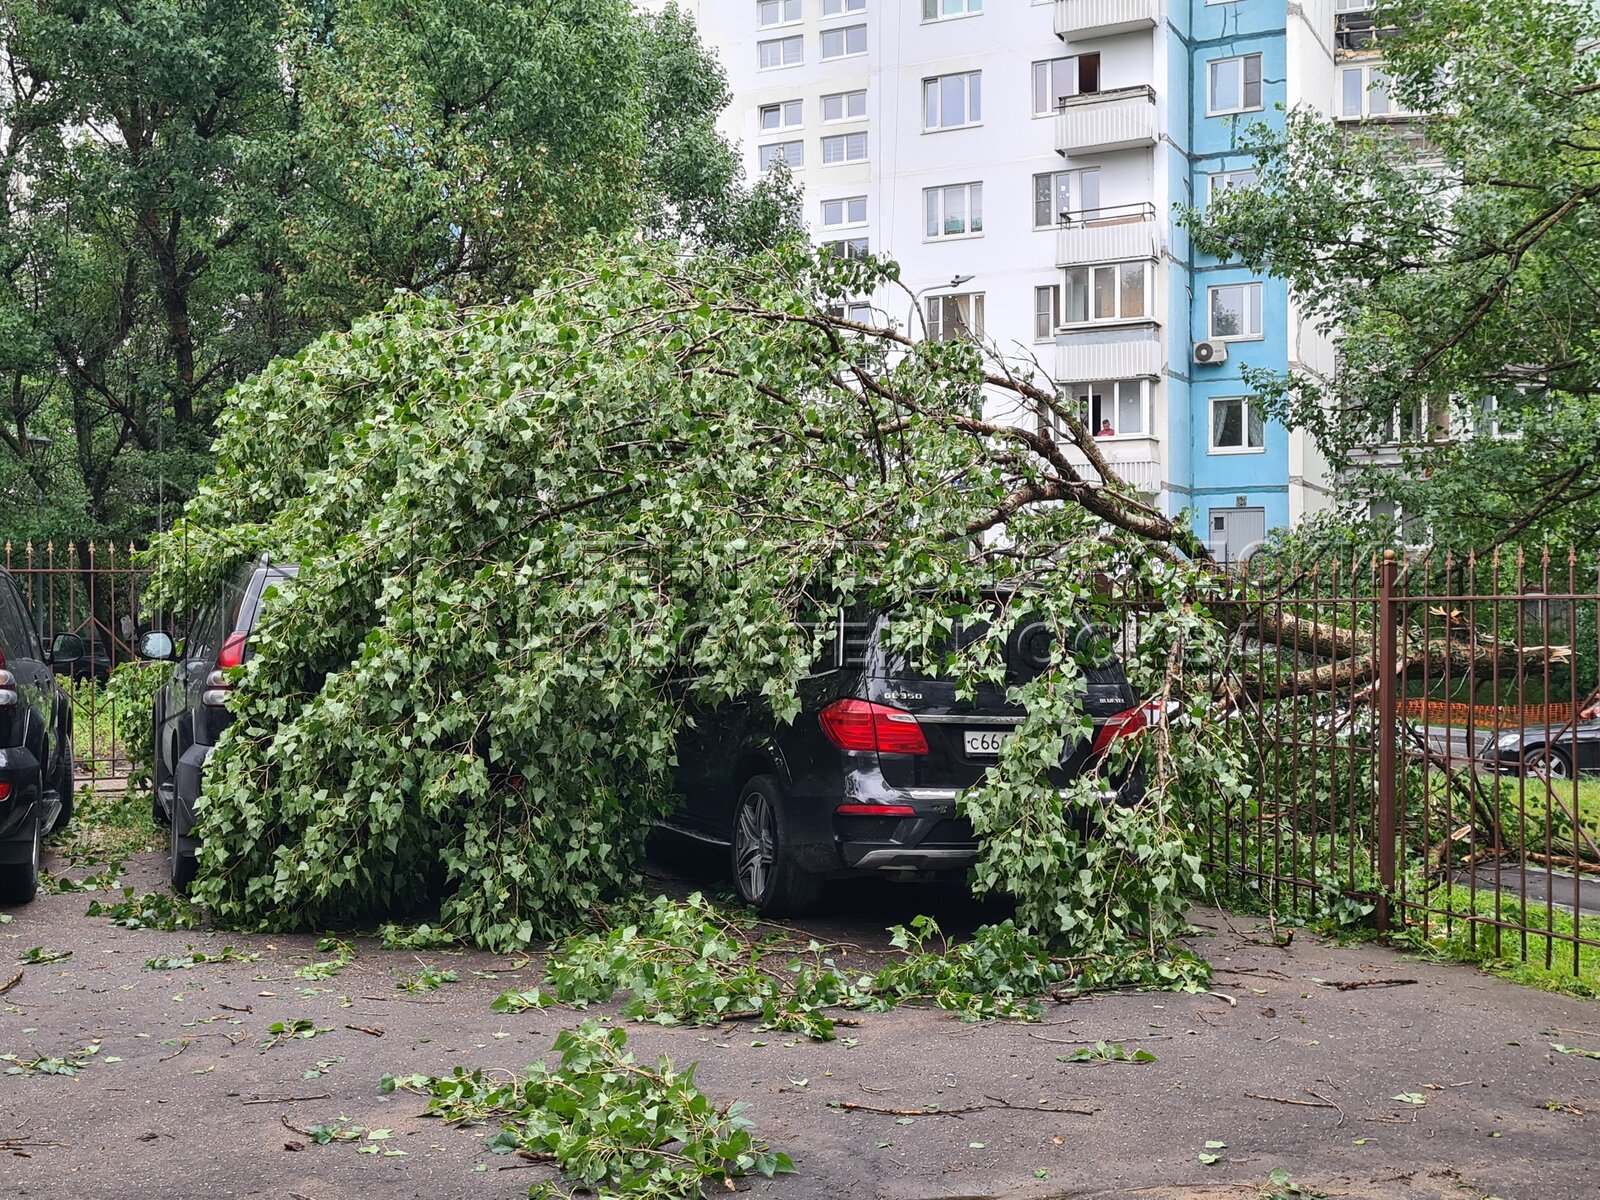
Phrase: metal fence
x=93 y=590
x=1422 y=746
x=1414 y=728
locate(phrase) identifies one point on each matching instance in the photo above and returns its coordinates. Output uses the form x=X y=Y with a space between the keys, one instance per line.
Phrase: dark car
x=866 y=777
x=190 y=711
x=35 y=744
x=94 y=663
x=1556 y=752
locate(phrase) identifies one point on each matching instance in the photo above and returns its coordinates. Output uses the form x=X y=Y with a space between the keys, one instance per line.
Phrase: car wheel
x=1547 y=764
x=65 y=782
x=183 y=866
x=19 y=882
x=764 y=872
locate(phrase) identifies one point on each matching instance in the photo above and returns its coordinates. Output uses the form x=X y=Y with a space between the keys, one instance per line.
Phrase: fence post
x=1388 y=736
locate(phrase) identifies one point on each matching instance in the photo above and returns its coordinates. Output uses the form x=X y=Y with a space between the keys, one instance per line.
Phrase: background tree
x=191 y=190
x=1456 y=258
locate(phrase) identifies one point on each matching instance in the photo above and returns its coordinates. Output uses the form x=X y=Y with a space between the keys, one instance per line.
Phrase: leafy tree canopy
x=536 y=537
x=1456 y=257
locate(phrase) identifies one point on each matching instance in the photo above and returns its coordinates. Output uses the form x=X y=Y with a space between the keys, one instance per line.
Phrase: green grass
x=1501 y=951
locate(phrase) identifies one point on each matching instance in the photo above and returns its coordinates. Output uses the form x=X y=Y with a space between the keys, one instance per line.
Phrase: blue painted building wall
x=1200 y=145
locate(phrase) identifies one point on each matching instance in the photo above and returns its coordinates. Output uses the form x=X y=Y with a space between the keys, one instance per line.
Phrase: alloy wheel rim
x=1551 y=766
x=756 y=845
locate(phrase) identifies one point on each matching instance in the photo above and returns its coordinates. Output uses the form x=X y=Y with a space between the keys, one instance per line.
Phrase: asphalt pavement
x=1359 y=1071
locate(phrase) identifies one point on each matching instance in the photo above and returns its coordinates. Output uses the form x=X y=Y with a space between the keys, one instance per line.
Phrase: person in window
x=1105 y=429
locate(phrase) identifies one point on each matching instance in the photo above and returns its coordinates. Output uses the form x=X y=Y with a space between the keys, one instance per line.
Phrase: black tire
x=19 y=882
x=65 y=783
x=158 y=775
x=182 y=867
x=764 y=871
x=1546 y=763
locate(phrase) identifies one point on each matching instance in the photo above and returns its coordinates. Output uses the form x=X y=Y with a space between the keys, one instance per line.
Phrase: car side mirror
x=155 y=645
x=67 y=648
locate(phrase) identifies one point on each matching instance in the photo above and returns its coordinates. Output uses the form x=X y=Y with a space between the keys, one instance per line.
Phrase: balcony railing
x=1357 y=31
x=1078 y=20
x=1116 y=234
x=1084 y=355
x=1100 y=121
x=1136 y=460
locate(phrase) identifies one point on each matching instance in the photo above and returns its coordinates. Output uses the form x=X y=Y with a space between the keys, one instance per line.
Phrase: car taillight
x=217 y=685
x=5 y=791
x=875 y=810
x=8 y=687
x=1119 y=725
x=863 y=725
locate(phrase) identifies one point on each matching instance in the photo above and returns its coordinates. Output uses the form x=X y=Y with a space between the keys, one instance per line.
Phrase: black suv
x=35 y=744
x=866 y=777
x=190 y=711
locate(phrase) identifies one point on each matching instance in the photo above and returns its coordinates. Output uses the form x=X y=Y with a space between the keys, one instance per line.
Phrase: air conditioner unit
x=1210 y=352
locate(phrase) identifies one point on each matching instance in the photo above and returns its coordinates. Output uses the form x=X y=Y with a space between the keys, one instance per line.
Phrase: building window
x=843 y=148
x=793 y=153
x=844 y=106
x=1222 y=181
x=1235 y=310
x=1364 y=92
x=781 y=52
x=780 y=116
x=939 y=10
x=1059 y=78
x=1113 y=409
x=955 y=211
x=844 y=43
x=1046 y=311
x=848 y=210
x=835 y=8
x=1061 y=195
x=1238 y=425
x=1235 y=85
x=858 y=311
x=776 y=12
x=846 y=248
x=1115 y=292
x=954 y=316
x=951 y=101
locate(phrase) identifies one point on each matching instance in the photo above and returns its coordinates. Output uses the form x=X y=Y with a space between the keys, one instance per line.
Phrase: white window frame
x=845 y=203
x=845 y=100
x=1221 y=181
x=1082 y=395
x=935 y=10
x=1076 y=193
x=1238 y=61
x=842 y=33
x=853 y=248
x=783 y=149
x=783 y=43
x=840 y=8
x=1370 y=85
x=1090 y=274
x=933 y=89
x=795 y=6
x=846 y=141
x=1053 y=95
x=859 y=311
x=1046 y=306
x=933 y=317
x=1250 y=306
x=1250 y=404
x=784 y=109
x=971 y=208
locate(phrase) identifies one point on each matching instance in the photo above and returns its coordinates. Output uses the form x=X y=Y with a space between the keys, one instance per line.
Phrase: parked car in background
x=36 y=780
x=190 y=710
x=94 y=663
x=1555 y=752
x=865 y=779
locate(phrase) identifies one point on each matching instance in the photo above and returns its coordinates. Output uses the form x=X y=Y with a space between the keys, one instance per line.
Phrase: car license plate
x=985 y=743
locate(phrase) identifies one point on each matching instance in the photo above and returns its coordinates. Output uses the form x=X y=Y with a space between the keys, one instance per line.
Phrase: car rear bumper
x=20 y=769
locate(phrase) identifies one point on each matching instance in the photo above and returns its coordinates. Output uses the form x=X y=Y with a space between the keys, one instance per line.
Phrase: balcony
x=1355 y=31
x=1137 y=460
x=1119 y=352
x=1078 y=20
x=1118 y=234
x=1100 y=121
